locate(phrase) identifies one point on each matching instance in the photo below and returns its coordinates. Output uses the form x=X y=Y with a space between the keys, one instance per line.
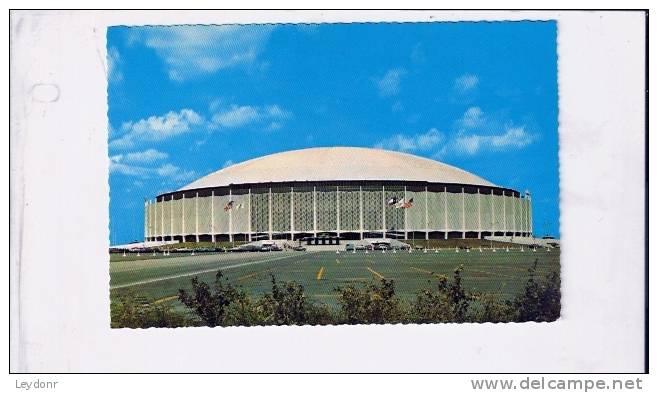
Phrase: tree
x=540 y=300
x=212 y=305
x=286 y=305
x=131 y=311
x=449 y=303
x=370 y=304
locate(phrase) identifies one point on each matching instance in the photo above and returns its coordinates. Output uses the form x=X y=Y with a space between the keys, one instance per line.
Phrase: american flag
x=232 y=205
x=405 y=205
x=393 y=201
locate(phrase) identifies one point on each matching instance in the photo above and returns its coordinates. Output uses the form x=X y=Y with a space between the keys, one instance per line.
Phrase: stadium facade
x=352 y=193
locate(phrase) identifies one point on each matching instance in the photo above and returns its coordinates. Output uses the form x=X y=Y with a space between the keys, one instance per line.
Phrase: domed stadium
x=344 y=192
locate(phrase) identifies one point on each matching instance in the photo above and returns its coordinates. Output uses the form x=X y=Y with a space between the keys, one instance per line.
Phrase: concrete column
x=361 y=211
x=427 y=222
x=269 y=214
x=212 y=215
x=155 y=219
x=196 y=216
x=522 y=214
x=146 y=220
x=162 y=223
x=530 y=215
x=182 y=231
x=405 y=212
x=445 y=213
x=504 y=215
x=230 y=216
x=513 y=215
x=383 y=213
x=463 y=214
x=249 y=215
x=315 y=213
x=171 y=216
x=493 y=215
x=479 y=214
x=337 y=211
x=292 y=213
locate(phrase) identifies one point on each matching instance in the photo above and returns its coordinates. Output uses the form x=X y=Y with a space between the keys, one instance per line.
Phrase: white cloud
x=274 y=126
x=512 y=138
x=475 y=132
x=479 y=132
x=238 y=116
x=216 y=104
x=146 y=156
x=227 y=164
x=418 y=53
x=157 y=128
x=193 y=51
x=174 y=173
x=149 y=155
x=466 y=82
x=389 y=84
x=167 y=172
x=114 y=73
x=515 y=137
x=427 y=141
x=128 y=170
x=472 y=118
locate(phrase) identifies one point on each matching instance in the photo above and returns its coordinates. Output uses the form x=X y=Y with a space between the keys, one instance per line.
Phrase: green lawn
x=493 y=272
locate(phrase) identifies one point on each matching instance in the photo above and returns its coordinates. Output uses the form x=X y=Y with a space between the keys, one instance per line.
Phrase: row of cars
x=255 y=248
x=251 y=247
x=376 y=246
x=264 y=247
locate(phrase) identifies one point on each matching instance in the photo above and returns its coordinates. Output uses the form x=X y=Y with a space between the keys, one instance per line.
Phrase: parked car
x=270 y=247
x=360 y=247
x=350 y=247
x=245 y=248
x=299 y=248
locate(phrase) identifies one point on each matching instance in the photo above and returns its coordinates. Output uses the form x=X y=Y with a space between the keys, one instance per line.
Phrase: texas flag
x=405 y=205
x=393 y=201
x=231 y=204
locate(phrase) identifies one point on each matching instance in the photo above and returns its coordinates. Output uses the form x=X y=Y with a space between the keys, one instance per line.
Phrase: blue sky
x=185 y=101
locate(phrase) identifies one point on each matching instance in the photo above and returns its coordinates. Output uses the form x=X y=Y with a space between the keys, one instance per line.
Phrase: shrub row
x=445 y=300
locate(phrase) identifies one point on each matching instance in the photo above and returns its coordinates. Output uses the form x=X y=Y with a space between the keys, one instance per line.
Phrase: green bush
x=285 y=305
x=492 y=309
x=448 y=303
x=131 y=311
x=222 y=304
x=540 y=300
x=372 y=303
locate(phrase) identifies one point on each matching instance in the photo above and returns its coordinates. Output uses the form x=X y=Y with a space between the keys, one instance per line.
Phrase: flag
x=228 y=206
x=393 y=201
x=402 y=204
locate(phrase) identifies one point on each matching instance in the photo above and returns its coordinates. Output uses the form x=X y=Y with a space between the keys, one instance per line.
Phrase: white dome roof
x=337 y=163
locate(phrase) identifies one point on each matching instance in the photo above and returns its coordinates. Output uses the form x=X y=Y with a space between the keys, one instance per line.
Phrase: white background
x=59 y=196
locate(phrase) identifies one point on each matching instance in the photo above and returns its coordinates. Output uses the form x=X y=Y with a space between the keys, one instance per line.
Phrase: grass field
x=158 y=279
